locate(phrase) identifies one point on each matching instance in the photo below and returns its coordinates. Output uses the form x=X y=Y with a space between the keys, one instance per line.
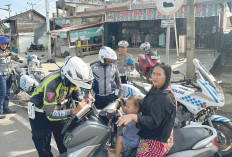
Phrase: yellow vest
x=79 y=44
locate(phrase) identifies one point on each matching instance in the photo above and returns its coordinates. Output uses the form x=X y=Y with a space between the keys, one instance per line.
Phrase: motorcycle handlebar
x=52 y=70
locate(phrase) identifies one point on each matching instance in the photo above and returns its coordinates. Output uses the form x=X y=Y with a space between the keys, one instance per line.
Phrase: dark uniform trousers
x=123 y=79
x=42 y=129
x=103 y=101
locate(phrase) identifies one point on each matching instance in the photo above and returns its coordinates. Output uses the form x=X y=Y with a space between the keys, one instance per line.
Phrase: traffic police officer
x=106 y=83
x=5 y=77
x=50 y=115
x=123 y=59
x=79 y=48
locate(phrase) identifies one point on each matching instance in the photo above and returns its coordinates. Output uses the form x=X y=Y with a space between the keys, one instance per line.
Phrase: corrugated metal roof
x=18 y=15
x=73 y=28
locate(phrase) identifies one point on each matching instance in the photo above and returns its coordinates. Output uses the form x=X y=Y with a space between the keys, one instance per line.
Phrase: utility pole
x=8 y=5
x=167 y=44
x=31 y=4
x=48 y=28
x=190 y=69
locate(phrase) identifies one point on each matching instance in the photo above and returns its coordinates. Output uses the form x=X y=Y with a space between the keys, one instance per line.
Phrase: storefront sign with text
x=153 y=14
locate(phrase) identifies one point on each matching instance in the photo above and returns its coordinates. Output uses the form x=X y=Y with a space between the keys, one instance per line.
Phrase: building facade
x=26 y=28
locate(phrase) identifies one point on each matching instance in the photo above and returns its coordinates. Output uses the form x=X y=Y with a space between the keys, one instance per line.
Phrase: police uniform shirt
x=122 y=63
x=49 y=95
x=4 y=63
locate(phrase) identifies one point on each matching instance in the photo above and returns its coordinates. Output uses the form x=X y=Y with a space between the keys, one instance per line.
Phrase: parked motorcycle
x=27 y=78
x=147 y=61
x=198 y=101
x=36 y=47
x=35 y=60
x=89 y=133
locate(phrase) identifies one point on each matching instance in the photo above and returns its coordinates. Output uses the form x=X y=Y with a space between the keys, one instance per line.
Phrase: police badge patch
x=50 y=95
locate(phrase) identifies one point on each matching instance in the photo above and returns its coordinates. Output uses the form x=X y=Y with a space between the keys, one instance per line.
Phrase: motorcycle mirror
x=42 y=55
x=20 y=61
x=156 y=53
x=176 y=71
x=52 y=60
x=26 y=53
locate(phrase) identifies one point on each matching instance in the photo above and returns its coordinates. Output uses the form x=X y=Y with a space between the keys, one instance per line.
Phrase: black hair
x=167 y=71
x=137 y=100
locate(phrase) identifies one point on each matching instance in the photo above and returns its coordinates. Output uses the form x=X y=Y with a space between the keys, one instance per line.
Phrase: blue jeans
x=5 y=84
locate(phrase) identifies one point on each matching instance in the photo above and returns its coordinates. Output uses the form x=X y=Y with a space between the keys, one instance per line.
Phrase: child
x=127 y=138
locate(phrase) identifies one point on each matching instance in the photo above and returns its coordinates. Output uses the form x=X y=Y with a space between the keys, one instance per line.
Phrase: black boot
x=2 y=116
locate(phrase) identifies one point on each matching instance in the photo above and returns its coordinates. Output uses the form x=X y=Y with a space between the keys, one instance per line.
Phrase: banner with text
x=86 y=33
x=153 y=14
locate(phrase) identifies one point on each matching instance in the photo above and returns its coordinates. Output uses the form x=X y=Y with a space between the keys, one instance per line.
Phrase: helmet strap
x=4 y=49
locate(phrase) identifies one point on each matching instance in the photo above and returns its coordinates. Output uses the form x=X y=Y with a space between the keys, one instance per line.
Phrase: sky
x=18 y=6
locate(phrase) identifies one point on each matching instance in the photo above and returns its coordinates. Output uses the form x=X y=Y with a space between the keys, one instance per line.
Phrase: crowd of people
x=148 y=122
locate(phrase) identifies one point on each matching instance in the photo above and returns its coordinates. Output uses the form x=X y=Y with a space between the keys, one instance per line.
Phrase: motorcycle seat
x=18 y=70
x=144 y=87
x=186 y=138
x=39 y=78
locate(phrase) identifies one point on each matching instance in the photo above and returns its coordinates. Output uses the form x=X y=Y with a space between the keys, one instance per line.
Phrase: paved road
x=15 y=136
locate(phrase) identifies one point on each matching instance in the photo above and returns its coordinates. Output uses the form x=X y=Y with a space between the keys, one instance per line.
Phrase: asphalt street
x=15 y=135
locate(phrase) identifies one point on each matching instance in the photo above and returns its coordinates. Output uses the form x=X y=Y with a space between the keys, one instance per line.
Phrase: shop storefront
x=91 y=37
x=138 y=26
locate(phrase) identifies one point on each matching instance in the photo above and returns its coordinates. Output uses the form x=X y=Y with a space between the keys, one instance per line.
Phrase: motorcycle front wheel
x=224 y=137
x=15 y=88
x=30 y=49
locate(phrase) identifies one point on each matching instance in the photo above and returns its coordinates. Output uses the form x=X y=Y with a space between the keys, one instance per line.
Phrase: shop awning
x=63 y=32
x=85 y=33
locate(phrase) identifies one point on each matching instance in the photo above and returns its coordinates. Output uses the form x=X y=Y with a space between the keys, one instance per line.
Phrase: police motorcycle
x=198 y=100
x=90 y=132
x=28 y=77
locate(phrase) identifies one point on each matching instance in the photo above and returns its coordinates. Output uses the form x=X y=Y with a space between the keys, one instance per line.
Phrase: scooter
x=146 y=62
x=36 y=47
x=198 y=100
x=89 y=134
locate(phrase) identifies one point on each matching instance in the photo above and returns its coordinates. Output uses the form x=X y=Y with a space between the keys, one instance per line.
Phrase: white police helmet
x=123 y=43
x=106 y=53
x=77 y=72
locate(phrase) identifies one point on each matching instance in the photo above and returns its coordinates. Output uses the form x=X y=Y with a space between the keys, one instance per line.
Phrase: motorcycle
x=36 y=47
x=89 y=133
x=147 y=61
x=198 y=100
x=35 y=60
x=27 y=78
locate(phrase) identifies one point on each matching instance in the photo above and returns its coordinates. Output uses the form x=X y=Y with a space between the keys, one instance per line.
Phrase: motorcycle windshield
x=206 y=75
